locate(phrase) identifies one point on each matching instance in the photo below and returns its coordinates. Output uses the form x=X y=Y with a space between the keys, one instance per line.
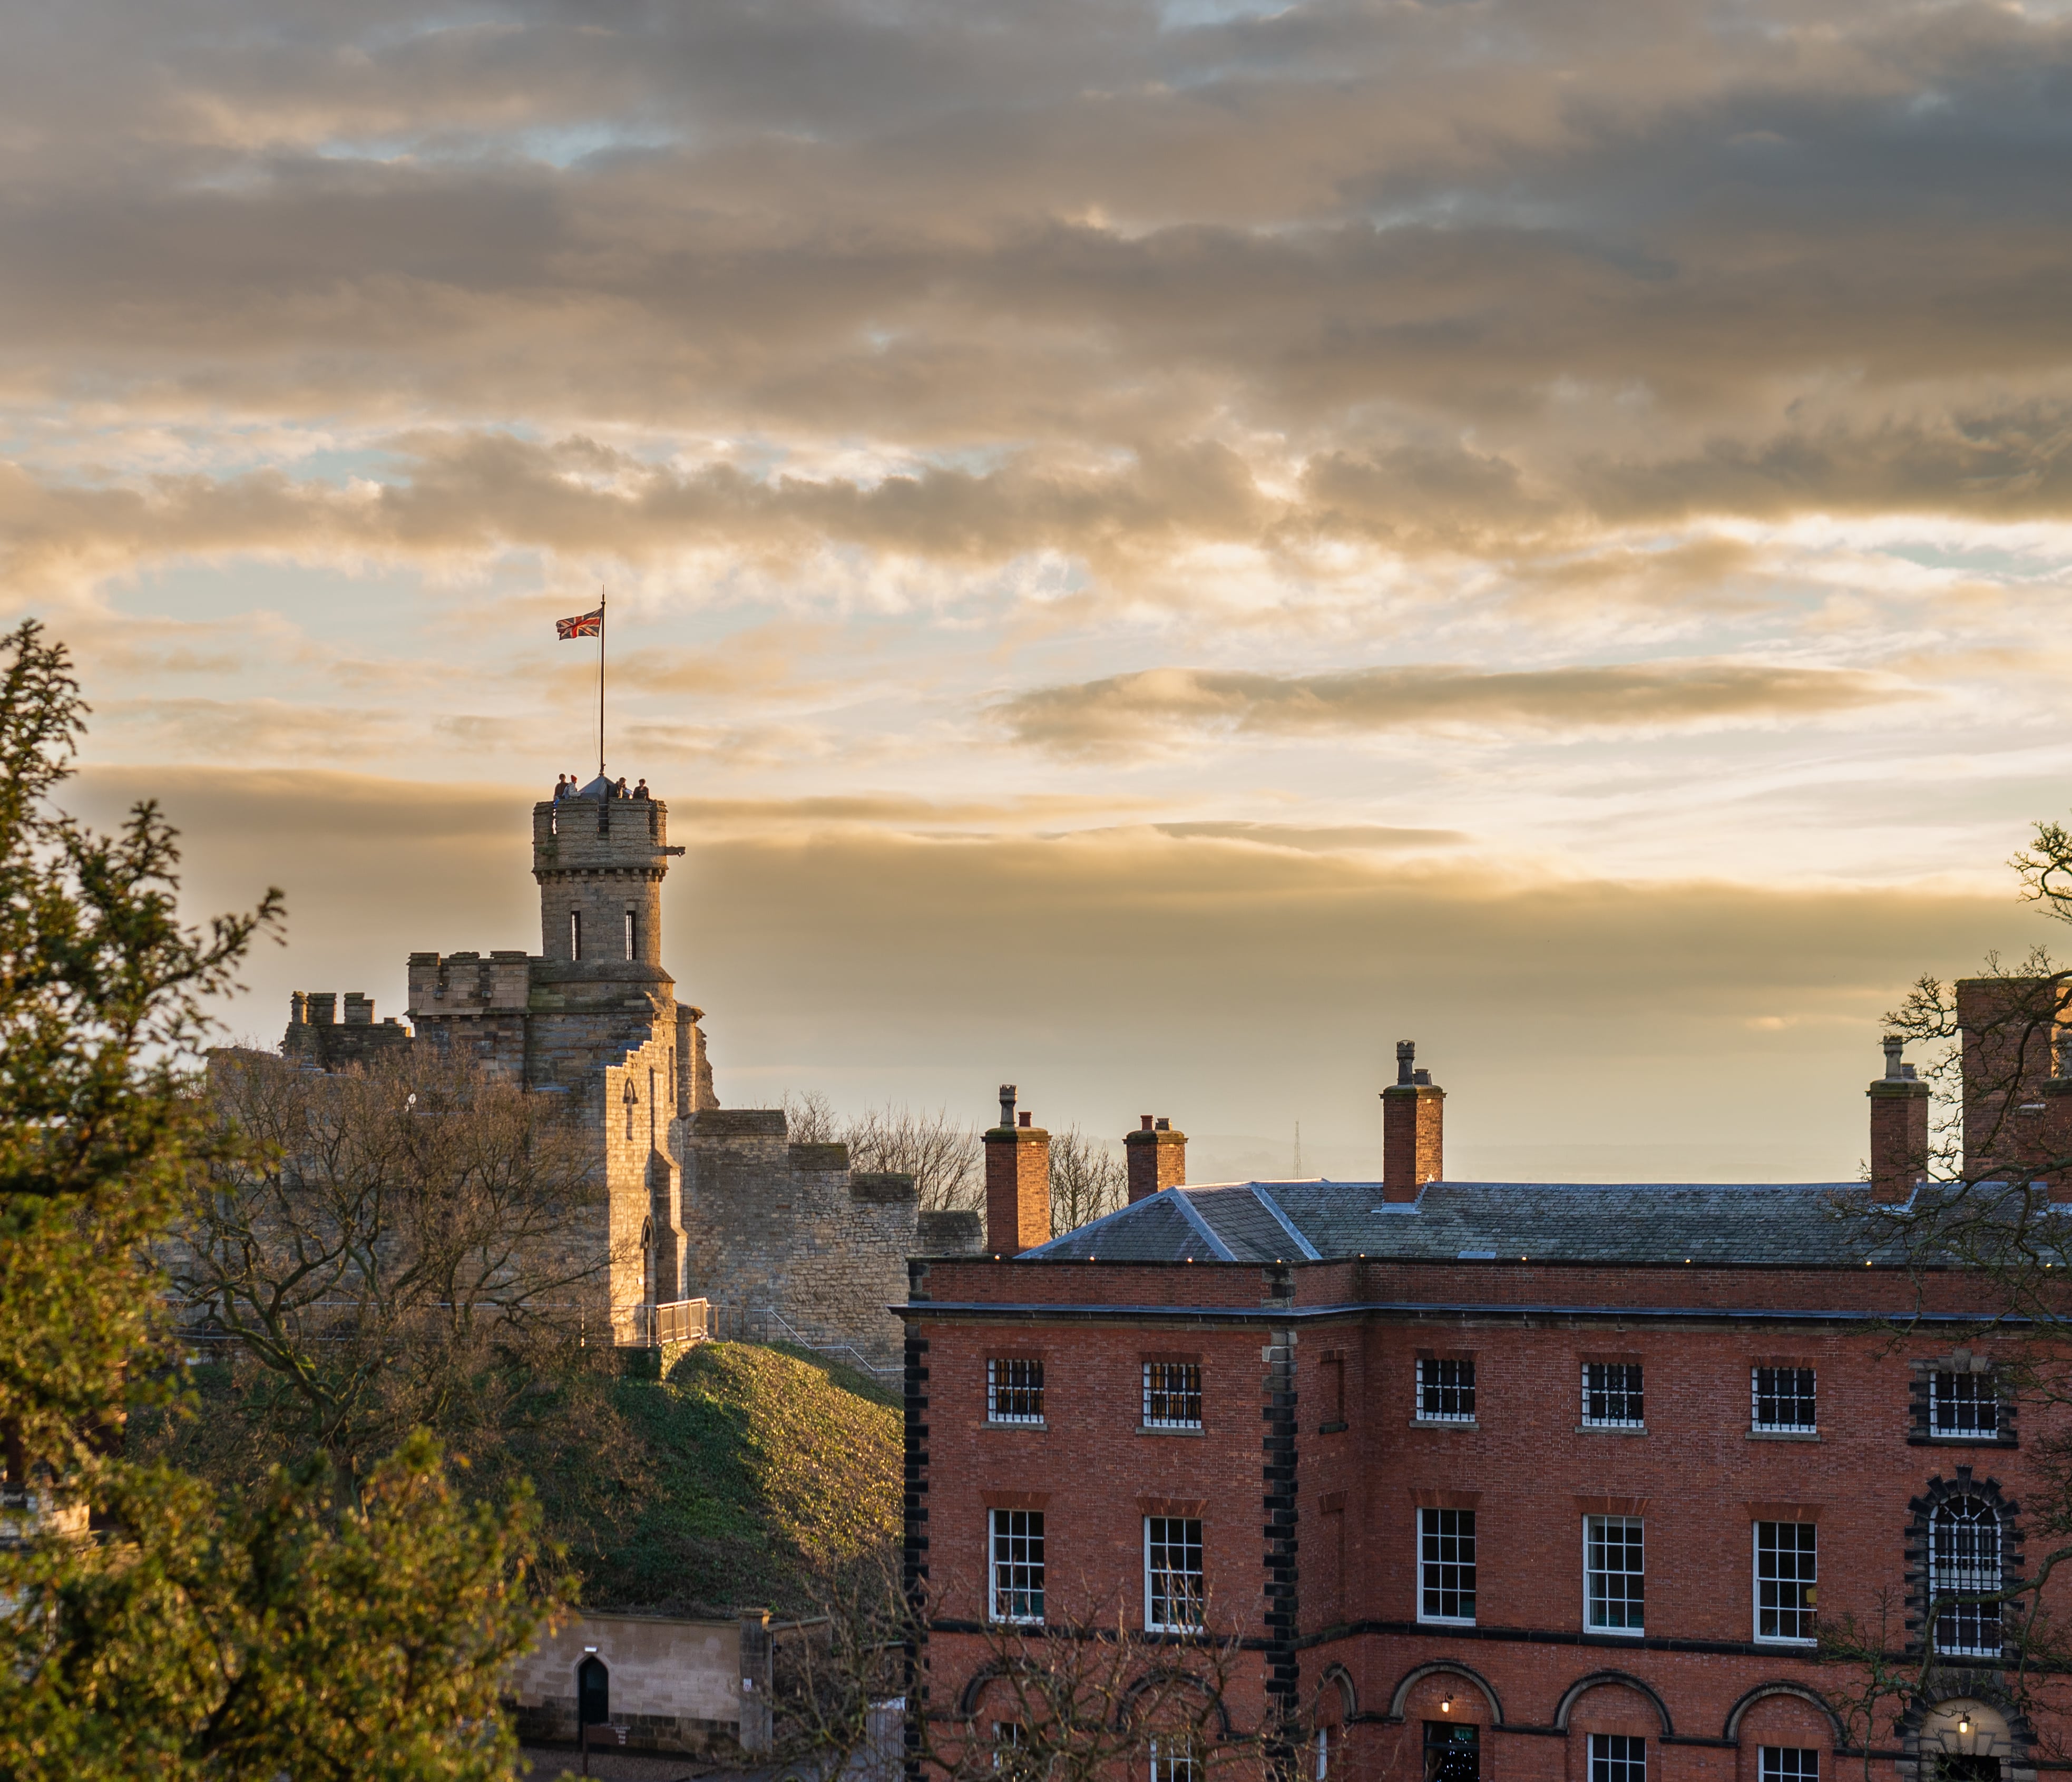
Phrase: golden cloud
x=1136 y=710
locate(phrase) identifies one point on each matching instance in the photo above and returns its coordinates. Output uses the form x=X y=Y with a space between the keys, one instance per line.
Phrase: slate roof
x=1801 y=1223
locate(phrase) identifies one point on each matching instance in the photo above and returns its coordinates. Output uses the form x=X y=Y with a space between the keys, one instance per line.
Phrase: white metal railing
x=676 y=1321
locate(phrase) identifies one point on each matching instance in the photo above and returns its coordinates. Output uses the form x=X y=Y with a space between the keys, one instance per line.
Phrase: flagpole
x=600 y=682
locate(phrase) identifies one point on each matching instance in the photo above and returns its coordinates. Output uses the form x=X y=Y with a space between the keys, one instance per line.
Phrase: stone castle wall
x=772 y=1227
x=702 y=1202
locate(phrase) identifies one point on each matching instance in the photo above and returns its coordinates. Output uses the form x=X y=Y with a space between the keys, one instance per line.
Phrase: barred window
x=1017 y=1565
x=1445 y=1392
x=1962 y=1404
x=1786 y=1580
x=1014 y=1390
x=1964 y=1560
x=1173 y=1395
x=1173 y=1760
x=1614 y=1575
x=1611 y=1394
x=1615 y=1757
x=1445 y=1565
x=1783 y=1398
x=1787 y=1763
x=1173 y=1580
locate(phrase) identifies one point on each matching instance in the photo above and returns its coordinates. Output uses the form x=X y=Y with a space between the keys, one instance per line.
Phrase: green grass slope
x=762 y=1469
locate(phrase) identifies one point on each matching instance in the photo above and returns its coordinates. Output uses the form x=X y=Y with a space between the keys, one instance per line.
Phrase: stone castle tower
x=786 y=1239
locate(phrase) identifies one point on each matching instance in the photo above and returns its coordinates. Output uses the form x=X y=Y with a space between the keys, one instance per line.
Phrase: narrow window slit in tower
x=575 y=934
x=629 y=934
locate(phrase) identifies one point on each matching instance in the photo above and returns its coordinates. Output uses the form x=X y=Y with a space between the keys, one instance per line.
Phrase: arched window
x=1964 y=1560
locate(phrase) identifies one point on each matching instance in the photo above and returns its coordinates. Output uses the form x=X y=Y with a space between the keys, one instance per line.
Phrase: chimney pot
x=1007 y=1104
x=1421 y=1077
x=1028 y=1119
x=1164 y=1125
x=1146 y=1119
x=1406 y=1054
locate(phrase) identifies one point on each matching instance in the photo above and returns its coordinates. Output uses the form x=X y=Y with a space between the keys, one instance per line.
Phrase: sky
x=1153 y=551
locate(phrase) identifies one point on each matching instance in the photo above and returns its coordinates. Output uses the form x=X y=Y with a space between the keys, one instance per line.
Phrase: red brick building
x=1500 y=1481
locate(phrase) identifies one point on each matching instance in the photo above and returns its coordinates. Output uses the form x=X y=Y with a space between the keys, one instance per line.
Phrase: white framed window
x=1323 y=1768
x=1962 y=1404
x=1612 y=1396
x=1614 y=1575
x=1014 y=1389
x=1173 y=1597
x=1445 y=1391
x=1787 y=1763
x=1964 y=1560
x=1782 y=1399
x=1017 y=1565
x=1173 y=1760
x=1615 y=1757
x=1446 y=1565
x=1007 y=1742
x=1172 y=1395
x=1787 y=1581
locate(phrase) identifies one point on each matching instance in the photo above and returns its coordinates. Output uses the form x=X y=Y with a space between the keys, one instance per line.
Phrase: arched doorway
x=593 y=1694
x=1965 y=1740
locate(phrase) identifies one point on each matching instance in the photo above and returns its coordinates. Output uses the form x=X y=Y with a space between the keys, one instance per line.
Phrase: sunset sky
x=1153 y=551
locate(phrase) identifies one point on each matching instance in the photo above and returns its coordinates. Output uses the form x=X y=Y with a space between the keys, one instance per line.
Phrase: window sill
x=1013 y=1428
x=1443 y=1423
x=1168 y=1429
x=1610 y=1429
x=1788 y=1645
x=1965 y=1439
x=1339 y=1428
x=1443 y=1621
x=1618 y=1633
x=1784 y=1435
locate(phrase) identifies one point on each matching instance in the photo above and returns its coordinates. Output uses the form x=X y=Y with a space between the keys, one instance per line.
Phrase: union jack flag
x=584 y=624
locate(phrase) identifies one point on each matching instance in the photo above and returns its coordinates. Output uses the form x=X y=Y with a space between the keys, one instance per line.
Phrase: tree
x=942 y=1156
x=1997 y=1157
x=417 y=1243
x=1088 y=1180
x=200 y=1634
x=1080 y=1697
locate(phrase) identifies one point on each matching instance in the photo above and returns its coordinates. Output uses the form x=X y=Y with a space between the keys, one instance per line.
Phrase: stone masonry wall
x=774 y=1227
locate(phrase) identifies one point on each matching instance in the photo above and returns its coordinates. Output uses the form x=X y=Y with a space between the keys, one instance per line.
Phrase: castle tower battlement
x=599 y=864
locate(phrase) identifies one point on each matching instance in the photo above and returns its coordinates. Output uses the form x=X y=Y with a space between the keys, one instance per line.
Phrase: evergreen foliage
x=188 y=1632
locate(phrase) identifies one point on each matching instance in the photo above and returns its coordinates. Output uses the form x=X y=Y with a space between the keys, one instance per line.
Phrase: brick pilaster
x=1277 y=1473
x=913 y=1555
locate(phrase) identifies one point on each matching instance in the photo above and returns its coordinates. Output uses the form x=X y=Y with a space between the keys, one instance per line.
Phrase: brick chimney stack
x=1018 y=1182
x=1413 y=1112
x=1899 y=1126
x=2056 y=1138
x=1157 y=1157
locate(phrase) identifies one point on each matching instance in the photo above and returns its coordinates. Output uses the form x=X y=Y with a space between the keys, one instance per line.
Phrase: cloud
x=1136 y=710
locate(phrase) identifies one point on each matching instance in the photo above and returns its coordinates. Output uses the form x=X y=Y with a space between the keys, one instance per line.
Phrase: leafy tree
x=193 y=1633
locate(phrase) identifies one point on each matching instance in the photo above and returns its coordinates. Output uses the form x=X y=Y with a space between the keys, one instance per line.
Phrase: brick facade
x=1316 y=1458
